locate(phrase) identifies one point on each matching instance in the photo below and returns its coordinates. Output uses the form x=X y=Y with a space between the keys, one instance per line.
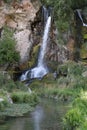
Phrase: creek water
x=46 y=116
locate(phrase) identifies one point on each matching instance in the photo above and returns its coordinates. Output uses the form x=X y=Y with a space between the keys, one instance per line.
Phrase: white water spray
x=44 y=43
x=80 y=16
x=40 y=70
x=45 y=14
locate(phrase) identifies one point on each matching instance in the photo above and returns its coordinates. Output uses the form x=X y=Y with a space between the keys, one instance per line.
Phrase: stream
x=46 y=116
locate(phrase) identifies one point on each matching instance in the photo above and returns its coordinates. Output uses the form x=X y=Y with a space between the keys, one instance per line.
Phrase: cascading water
x=41 y=69
x=45 y=14
x=80 y=16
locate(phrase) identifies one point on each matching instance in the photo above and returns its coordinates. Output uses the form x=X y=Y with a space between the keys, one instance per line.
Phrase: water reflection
x=46 y=116
x=37 y=117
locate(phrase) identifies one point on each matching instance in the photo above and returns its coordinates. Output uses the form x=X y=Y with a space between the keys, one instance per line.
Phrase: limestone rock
x=71 y=47
x=19 y=16
x=23 y=43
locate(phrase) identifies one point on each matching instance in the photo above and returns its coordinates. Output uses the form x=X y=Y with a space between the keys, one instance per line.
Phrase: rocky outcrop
x=57 y=54
x=19 y=16
x=71 y=47
x=24 y=43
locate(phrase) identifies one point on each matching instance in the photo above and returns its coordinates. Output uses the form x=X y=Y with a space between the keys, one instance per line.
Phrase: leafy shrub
x=21 y=86
x=83 y=126
x=8 y=53
x=24 y=97
x=71 y=69
x=3 y=80
x=81 y=104
x=73 y=119
x=35 y=84
x=9 y=85
x=79 y=82
x=3 y=104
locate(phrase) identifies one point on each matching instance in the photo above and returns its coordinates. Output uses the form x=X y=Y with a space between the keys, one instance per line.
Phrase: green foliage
x=8 y=53
x=79 y=83
x=81 y=104
x=3 y=104
x=61 y=11
x=71 y=68
x=9 y=85
x=33 y=60
x=83 y=126
x=75 y=4
x=35 y=84
x=9 y=1
x=24 y=97
x=73 y=119
x=15 y=110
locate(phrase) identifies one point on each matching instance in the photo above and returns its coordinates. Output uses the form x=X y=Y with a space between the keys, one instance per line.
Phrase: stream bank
x=47 y=115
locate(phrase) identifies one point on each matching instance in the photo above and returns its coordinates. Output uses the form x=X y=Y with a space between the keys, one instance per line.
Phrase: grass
x=70 y=86
x=24 y=97
x=15 y=110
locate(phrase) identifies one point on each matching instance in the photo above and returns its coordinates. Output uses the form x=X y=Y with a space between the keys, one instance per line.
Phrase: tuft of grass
x=24 y=97
x=73 y=119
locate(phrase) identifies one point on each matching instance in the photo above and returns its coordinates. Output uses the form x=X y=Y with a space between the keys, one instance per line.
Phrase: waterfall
x=45 y=14
x=80 y=16
x=41 y=69
x=44 y=42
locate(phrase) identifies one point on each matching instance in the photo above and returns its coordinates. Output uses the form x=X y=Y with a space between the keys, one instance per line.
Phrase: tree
x=8 y=53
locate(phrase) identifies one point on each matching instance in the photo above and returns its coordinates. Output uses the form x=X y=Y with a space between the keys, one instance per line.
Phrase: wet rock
x=84 y=74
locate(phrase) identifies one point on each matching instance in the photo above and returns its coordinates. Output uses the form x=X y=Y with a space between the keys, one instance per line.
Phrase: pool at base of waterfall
x=47 y=115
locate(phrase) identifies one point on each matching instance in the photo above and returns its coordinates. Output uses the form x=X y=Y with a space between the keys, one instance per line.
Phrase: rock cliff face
x=26 y=20
x=20 y=16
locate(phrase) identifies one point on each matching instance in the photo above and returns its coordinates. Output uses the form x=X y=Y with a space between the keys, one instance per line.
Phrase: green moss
x=85 y=36
x=16 y=110
x=34 y=56
x=83 y=51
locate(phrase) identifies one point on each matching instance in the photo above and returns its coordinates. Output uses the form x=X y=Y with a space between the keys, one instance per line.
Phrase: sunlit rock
x=23 y=43
x=19 y=16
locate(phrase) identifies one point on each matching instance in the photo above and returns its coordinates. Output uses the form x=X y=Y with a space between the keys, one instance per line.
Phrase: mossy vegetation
x=34 y=56
x=8 y=53
x=16 y=110
x=15 y=99
x=70 y=86
x=24 y=97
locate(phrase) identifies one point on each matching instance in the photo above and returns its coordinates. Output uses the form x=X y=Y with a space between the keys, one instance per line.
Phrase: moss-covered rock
x=83 y=51
x=34 y=56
